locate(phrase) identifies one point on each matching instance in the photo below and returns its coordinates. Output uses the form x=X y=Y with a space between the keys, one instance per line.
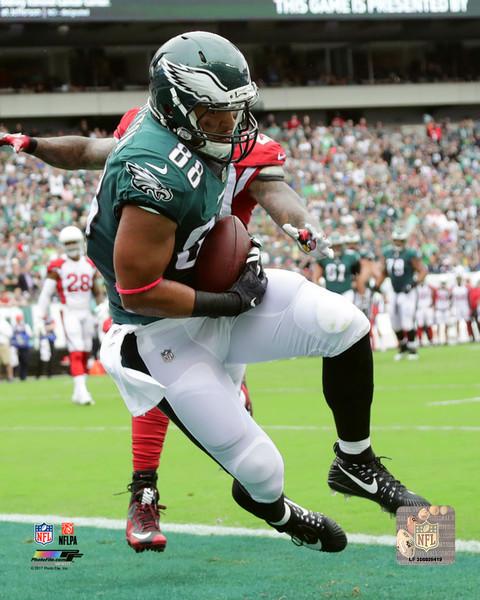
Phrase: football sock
x=430 y=334
x=142 y=479
x=273 y=512
x=85 y=356
x=470 y=330
x=79 y=383
x=348 y=390
x=402 y=343
x=366 y=456
x=411 y=345
x=354 y=447
x=148 y=435
x=76 y=364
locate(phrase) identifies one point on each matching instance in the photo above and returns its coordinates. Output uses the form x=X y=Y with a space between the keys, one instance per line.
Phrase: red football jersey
x=237 y=200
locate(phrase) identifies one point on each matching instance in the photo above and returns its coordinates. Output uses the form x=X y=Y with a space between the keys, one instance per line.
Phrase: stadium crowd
x=356 y=178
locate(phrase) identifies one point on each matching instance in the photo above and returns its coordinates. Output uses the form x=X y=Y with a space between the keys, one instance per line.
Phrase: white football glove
x=309 y=240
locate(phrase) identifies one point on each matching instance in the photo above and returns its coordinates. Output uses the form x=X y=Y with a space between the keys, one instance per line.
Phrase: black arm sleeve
x=209 y=304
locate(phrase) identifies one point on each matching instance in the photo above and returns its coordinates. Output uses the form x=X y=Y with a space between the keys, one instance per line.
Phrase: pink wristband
x=139 y=290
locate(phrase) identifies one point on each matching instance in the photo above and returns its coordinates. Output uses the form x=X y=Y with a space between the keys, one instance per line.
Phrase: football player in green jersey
x=137 y=226
x=405 y=268
x=169 y=344
x=340 y=272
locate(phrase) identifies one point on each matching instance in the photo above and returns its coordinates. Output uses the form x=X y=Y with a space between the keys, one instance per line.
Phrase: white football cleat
x=83 y=399
x=399 y=356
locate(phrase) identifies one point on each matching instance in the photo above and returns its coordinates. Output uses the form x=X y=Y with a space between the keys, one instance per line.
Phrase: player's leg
x=201 y=399
x=143 y=528
x=298 y=318
x=75 y=344
x=237 y=374
x=395 y=321
x=408 y=306
x=87 y=323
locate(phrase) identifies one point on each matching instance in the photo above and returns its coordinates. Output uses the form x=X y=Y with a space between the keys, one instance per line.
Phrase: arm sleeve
x=48 y=289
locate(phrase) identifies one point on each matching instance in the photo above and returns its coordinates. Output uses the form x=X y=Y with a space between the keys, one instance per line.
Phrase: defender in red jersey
x=73 y=277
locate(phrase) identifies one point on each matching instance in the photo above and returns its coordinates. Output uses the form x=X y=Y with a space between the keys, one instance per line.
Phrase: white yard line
x=324 y=428
x=217 y=530
x=473 y=400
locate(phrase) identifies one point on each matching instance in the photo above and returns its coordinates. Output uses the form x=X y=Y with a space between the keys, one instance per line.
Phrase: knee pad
x=321 y=311
x=259 y=468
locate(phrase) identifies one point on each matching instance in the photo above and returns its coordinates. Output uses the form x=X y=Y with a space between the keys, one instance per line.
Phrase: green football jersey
x=340 y=271
x=399 y=264
x=151 y=168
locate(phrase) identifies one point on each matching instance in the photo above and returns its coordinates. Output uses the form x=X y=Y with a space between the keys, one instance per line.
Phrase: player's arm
x=420 y=269
x=139 y=273
x=65 y=152
x=284 y=206
x=98 y=290
x=48 y=289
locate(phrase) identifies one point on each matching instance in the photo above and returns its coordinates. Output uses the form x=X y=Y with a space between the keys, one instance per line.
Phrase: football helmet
x=399 y=237
x=72 y=241
x=203 y=70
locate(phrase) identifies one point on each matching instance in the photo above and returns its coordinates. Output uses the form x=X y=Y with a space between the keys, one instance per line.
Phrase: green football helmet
x=201 y=69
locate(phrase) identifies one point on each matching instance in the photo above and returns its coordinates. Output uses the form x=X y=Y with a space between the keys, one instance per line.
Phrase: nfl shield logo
x=43 y=534
x=426 y=536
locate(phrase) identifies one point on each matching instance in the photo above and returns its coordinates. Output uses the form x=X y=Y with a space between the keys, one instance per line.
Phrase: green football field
x=61 y=459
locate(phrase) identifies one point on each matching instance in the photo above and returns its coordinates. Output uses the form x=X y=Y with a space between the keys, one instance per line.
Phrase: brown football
x=222 y=256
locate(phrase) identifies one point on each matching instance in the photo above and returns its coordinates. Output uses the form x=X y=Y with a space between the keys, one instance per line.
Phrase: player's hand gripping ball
x=222 y=256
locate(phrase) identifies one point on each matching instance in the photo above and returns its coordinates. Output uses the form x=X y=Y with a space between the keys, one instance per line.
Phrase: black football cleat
x=371 y=480
x=143 y=526
x=311 y=529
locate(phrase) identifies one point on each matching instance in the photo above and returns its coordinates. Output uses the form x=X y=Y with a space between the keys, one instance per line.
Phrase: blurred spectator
x=46 y=348
x=6 y=333
x=22 y=342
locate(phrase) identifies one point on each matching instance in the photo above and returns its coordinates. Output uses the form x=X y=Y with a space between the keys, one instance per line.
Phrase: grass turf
x=58 y=458
x=64 y=459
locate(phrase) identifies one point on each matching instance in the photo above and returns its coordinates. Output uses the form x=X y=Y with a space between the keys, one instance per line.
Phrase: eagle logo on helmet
x=194 y=81
x=204 y=85
x=144 y=181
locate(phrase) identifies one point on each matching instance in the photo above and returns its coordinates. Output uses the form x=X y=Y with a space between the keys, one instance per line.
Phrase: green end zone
x=224 y=568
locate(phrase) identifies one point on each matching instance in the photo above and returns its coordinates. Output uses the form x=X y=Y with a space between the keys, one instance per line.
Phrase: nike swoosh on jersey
x=371 y=488
x=141 y=536
x=162 y=170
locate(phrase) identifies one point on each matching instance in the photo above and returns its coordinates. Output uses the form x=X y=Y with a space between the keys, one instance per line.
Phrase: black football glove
x=252 y=283
x=246 y=293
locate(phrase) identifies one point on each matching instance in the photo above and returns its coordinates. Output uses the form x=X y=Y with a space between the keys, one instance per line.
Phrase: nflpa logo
x=68 y=529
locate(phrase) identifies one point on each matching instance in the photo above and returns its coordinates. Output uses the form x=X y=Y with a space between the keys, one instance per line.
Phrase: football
x=222 y=256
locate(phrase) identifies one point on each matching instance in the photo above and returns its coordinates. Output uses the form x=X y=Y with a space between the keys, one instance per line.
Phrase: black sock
x=348 y=390
x=143 y=479
x=402 y=342
x=271 y=512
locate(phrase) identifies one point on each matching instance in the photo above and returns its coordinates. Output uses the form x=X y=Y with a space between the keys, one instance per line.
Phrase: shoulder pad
x=125 y=122
x=55 y=264
x=265 y=152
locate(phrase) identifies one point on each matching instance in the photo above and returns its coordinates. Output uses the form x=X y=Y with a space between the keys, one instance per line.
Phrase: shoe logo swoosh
x=371 y=488
x=252 y=302
x=141 y=536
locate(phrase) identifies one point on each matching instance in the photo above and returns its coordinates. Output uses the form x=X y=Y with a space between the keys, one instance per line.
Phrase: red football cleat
x=143 y=526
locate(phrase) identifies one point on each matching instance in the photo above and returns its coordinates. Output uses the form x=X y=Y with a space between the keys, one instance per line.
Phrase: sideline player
x=425 y=312
x=73 y=277
x=443 y=309
x=461 y=306
x=405 y=268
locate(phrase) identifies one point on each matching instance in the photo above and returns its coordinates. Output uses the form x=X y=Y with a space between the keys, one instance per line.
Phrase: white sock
x=284 y=519
x=79 y=383
x=354 y=447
